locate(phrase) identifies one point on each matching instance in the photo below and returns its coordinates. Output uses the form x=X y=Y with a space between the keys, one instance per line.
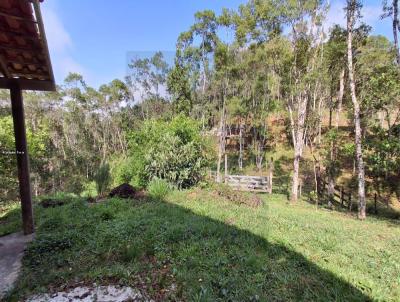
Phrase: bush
x=158 y=189
x=89 y=189
x=102 y=178
x=174 y=151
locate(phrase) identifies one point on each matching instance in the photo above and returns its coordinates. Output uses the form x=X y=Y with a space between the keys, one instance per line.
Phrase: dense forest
x=266 y=87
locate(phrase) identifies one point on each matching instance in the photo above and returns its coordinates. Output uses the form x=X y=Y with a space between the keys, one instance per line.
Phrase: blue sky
x=94 y=38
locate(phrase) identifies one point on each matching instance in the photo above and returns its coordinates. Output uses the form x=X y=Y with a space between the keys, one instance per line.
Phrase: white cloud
x=57 y=35
x=60 y=44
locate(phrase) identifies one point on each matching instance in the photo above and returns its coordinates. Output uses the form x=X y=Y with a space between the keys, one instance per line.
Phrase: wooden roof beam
x=25 y=63
x=43 y=39
x=17 y=34
x=43 y=76
x=14 y=48
x=27 y=84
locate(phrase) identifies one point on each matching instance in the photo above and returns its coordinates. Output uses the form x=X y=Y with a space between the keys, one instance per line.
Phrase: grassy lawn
x=196 y=246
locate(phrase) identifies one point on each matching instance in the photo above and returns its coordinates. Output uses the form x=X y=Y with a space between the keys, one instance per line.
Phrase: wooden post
x=21 y=149
x=350 y=203
x=226 y=167
x=300 y=188
x=271 y=174
x=375 y=199
x=341 y=196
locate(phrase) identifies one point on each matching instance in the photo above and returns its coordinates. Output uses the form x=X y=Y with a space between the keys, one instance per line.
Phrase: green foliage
x=38 y=141
x=8 y=176
x=10 y=217
x=102 y=178
x=383 y=159
x=179 y=87
x=174 y=151
x=89 y=189
x=200 y=245
x=158 y=189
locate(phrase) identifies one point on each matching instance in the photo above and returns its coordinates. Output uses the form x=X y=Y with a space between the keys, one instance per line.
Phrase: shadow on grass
x=178 y=255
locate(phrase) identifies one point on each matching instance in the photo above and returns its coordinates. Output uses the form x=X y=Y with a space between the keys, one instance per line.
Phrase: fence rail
x=344 y=198
x=246 y=182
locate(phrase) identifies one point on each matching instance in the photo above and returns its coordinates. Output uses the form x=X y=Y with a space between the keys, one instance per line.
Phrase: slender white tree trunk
x=340 y=98
x=270 y=175
x=222 y=140
x=298 y=143
x=396 y=28
x=351 y=10
x=240 y=159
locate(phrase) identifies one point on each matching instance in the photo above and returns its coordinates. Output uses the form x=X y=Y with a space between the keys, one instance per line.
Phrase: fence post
x=350 y=202
x=271 y=172
x=375 y=199
x=300 y=189
x=341 y=196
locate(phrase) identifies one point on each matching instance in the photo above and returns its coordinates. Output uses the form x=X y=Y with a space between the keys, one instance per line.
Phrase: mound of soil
x=123 y=191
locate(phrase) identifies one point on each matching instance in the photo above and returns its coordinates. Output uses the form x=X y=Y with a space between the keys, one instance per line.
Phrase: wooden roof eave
x=27 y=77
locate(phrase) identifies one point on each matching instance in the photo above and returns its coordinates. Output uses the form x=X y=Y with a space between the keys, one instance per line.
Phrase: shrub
x=102 y=178
x=89 y=189
x=123 y=170
x=174 y=151
x=158 y=189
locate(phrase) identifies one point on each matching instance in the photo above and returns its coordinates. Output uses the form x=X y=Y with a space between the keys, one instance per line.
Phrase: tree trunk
x=340 y=98
x=240 y=159
x=295 y=179
x=270 y=175
x=222 y=142
x=351 y=10
x=298 y=143
x=395 y=29
x=226 y=166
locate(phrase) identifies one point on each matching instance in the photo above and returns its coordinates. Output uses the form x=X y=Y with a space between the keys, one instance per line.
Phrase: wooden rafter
x=17 y=34
x=43 y=37
x=7 y=15
x=18 y=48
x=25 y=63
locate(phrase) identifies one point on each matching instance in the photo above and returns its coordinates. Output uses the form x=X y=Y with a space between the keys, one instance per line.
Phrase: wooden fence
x=343 y=197
x=339 y=196
x=246 y=182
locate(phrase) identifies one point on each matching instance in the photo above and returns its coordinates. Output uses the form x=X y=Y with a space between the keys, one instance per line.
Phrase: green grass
x=196 y=246
x=10 y=217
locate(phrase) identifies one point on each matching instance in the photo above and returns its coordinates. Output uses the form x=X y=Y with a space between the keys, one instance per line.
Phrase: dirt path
x=11 y=251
